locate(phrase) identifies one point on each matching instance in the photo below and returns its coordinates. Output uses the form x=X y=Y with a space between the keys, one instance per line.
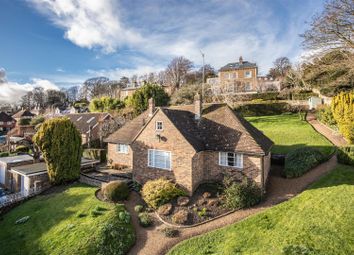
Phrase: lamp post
x=203 y=73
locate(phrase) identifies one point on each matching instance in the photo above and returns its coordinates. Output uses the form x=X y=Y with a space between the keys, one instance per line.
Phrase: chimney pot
x=198 y=105
x=241 y=60
x=151 y=107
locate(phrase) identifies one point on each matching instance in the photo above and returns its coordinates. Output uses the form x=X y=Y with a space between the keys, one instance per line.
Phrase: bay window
x=231 y=159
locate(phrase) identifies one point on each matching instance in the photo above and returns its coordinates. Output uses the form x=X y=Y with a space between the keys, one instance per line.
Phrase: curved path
x=336 y=138
x=150 y=241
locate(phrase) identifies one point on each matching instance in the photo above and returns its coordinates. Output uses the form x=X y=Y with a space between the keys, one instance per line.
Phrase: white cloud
x=11 y=92
x=89 y=24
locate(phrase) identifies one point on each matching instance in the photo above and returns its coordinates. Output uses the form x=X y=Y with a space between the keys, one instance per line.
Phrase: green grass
x=288 y=132
x=60 y=223
x=320 y=220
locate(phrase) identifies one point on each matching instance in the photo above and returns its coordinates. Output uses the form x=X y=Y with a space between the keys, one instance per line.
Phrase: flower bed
x=206 y=203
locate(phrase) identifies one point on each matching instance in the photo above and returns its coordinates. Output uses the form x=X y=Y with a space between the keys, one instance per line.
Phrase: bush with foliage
x=324 y=114
x=138 y=208
x=145 y=219
x=105 y=104
x=22 y=149
x=60 y=143
x=116 y=191
x=96 y=154
x=301 y=160
x=37 y=120
x=240 y=195
x=24 y=122
x=345 y=155
x=170 y=232
x=4 y=154
x=139 y=100
x=160 y=191
x=116 y=235
x=342 y=107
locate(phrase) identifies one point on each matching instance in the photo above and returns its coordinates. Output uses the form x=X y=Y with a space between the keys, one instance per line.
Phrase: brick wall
x=170 y=140
x=124 y=159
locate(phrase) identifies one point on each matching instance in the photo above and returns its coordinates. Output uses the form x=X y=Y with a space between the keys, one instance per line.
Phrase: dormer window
x=159 y=126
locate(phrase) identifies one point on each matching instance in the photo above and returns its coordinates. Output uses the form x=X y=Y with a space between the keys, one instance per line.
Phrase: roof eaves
x=141 y=130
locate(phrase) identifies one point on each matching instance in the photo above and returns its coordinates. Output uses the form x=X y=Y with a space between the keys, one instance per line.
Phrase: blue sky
x=62 y=43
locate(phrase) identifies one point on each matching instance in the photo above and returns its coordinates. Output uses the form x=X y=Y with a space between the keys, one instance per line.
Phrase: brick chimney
x=198 y=106
x=240 y=60
x=151 y=108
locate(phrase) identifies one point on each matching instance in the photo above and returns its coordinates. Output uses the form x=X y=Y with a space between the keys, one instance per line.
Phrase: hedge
x=266 y=108
x=116 y=191
x=301 y=160
x=345 y=155
x=97 y=154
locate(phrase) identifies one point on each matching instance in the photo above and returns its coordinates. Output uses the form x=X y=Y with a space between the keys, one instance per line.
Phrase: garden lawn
x=288 y=132
x=60 y=223
x=318 y=221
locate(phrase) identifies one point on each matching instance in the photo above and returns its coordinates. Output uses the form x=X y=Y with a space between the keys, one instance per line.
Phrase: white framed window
x=159 y=159
x=122 y=148
x=248 y=86
x=231 y=159
x=248 y=74
x=9 y=123
x=233 y=75
x=159 y=125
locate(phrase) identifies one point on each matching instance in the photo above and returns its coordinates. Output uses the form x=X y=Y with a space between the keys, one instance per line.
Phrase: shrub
x=21 y=148
x=241 y=194
x=60 y=142
x=105 y=104
x=180 y=217
x=145 y=219
x=324 y=114
x=265 y=108
x=170 y=232
x=124 y=216
x=116 y=236
x=37 y=120
x=346 y=155
x=160 y=191
x=138 y=208
x=24 y=122
x=301 y=160
x=4 y=154
x=342 y=107
x=116 y=191
x=96 y=154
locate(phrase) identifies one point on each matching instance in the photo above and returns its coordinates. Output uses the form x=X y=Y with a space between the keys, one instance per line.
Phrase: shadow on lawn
x=46 y=212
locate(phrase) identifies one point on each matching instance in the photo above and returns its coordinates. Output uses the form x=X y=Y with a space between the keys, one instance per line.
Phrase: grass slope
x=318 y=221
x=54 y=226
x=288 y=132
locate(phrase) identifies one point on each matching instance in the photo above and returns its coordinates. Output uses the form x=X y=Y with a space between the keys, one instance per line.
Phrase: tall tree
x=281 y=66
x=177 y=70
x=60 y=143
x=39 y=97
x=333 y=28
x=55 y=98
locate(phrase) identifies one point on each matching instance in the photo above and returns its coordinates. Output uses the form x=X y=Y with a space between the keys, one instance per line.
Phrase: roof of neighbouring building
x=30 y=169
x=83 y=121
x=219 y=129
x=4 y=117
x=23 y=113
x=237 y=65
x=16 y=159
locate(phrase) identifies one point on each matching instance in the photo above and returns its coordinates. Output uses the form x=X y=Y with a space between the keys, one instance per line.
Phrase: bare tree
x=38 y=97
x=333 y=28
x=281 y=66
x=177 y=70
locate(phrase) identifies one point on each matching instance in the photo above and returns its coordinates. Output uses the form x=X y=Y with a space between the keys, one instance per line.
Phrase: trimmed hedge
x=266 y=108
x=301 y=160
x=243 y=194
x=345 y=155
x=116 y=191
x=21 y=148
x=160 y=191
x=4 y=154
x=97 y=154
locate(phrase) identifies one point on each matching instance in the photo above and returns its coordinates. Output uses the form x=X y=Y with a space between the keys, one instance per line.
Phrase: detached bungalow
x=191 y=144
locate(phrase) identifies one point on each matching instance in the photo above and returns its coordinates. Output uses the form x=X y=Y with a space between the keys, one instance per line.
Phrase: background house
x=6 y=122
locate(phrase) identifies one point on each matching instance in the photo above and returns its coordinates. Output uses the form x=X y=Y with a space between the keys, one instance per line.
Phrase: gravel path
x=336 y=138
x=150 y=241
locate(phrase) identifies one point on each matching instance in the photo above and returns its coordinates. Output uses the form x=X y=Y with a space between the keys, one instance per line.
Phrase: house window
x=248 y=86
x=233 y=75
x=231 y=159
x=159 y=159
x=9 y=123
x=226 y=75
x=159 y=125
x=248 y=74
x=122 y=148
